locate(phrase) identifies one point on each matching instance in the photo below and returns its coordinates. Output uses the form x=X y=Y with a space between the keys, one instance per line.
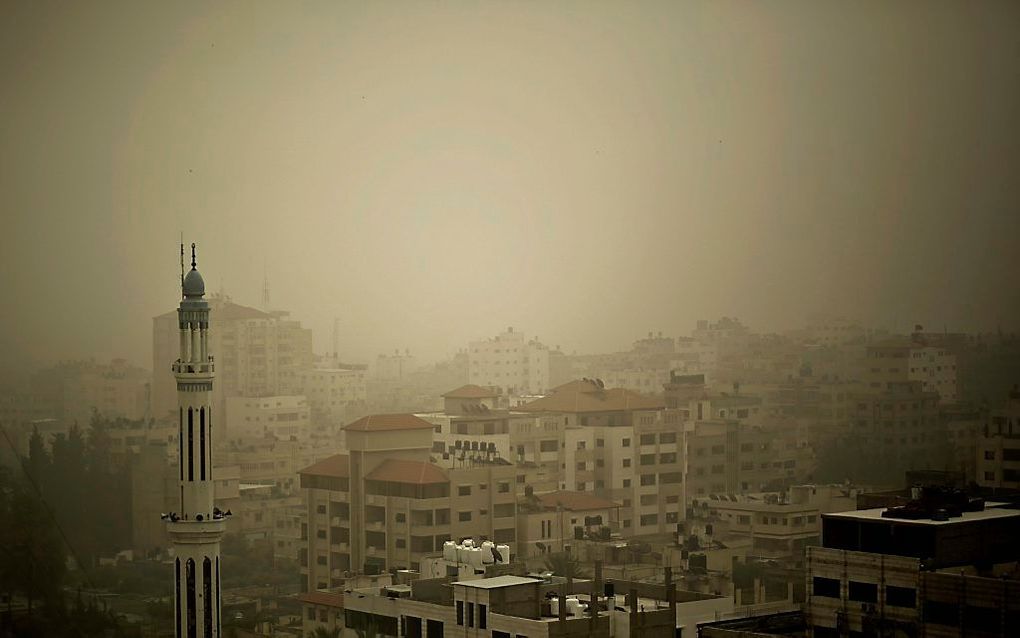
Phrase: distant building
x=283 y=417
x=998 y=447
x=385 y=504
x=257 y=354
x=927 y=570
x=334 y=394
x=509 y=361
x=394 y=367
x=894 y=361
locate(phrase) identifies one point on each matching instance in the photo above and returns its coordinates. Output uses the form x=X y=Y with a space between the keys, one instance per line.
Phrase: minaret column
x=195 y=531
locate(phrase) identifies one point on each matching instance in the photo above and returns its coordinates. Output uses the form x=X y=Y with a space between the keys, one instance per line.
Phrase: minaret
x=196 y=529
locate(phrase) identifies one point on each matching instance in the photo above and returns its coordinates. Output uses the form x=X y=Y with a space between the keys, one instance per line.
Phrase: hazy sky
x=432 y=172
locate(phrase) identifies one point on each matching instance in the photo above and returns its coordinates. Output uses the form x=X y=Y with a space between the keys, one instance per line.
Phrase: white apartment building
x=284 y=417
x=334 y=393
x=898 y=360
x=256 y=353
x=509 y=361
x=396 y=366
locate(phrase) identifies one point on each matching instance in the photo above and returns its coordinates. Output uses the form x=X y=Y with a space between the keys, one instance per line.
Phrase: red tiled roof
x=588 y=396
x=337 y=466
x=384 y=422
x=413 y=472
x=471 y=391
x=574 y=501
x=324 y=598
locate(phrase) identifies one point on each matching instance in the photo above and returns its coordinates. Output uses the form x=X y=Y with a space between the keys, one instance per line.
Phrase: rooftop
x=471 y=391
x=966 y=517
x=336 y=466
x=497 y=582
x=586 y=395
x=326 y=599
x=413 y=472
x=388 y=422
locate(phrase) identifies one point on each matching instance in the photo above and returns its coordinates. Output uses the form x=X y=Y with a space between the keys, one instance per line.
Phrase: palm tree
x=324 y=632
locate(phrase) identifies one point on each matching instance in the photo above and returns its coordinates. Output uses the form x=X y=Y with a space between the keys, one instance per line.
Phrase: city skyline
x=688 y=160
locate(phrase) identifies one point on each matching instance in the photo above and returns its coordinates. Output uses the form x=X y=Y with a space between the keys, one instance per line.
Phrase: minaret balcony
x=207 y=368
x=196 y=532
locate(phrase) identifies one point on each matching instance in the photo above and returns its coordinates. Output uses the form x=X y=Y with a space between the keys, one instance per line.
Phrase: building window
x=401 y=517
x=989 y=476
x=650 y=519
x=502 y=487
x=626 y=443
x=463 y=517
x=626 y=462
x=626 y=482
x=647 y=439
x=863 y=592
x=827 y=587
x=470 y=614
x=901 y=596
x=482 y=619
x=989 y=455
x=464 y=490
x=460 y=612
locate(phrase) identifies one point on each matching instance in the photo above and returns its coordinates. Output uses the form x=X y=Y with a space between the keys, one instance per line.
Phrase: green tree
x=325 y=632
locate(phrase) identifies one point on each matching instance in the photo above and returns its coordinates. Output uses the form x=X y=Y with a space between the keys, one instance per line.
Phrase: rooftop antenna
x=193 y=264
x=182 y=265
x=265 y=287
x=336 y=338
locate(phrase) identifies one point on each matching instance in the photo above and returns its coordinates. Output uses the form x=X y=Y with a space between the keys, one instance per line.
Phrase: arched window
x=201 y=444
x=190 y=588
x=191 y=443
x=207 y=603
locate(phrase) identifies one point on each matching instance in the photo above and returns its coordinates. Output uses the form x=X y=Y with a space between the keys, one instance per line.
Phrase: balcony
x=376 y=526
x=340 y=521
x=339 y=547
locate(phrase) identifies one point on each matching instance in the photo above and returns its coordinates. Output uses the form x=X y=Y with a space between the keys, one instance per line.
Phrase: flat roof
x=497 y=581
x=967 y=517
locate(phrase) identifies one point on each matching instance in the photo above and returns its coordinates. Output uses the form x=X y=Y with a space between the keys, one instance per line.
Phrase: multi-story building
x=620 y=445
x=964 y=424
x=257 y=354
x=511 y=606
x=394 y=367
x=117 y=389
x=728 y=457
x=509 y=361
x=551 y=522
x=387 y=504
x=334 y=394
x=998 y=447
x=926 y=569
x=283 y=417
x=900 y=423
x=894 y=361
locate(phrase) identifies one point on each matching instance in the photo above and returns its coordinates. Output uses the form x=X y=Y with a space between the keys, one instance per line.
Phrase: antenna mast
x=182 y=265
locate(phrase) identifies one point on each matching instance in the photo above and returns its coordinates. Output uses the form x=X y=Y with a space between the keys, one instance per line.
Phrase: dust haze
x=430 y=173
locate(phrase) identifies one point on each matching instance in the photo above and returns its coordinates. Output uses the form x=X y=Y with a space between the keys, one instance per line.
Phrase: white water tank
x=468 y=542
x=487 y=557
x=450 y=551
x=462 y=554
x=504 y=552
x=554 y=606
x=573 y=607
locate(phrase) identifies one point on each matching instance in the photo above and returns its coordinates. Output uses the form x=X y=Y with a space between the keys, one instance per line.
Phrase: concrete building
x=927 y=569
x=512 y=606
x=283 y=417
x=257 y=354
x=621 y=446
x=115 y=390
x=894 y=361
x=509 y=361
x=395 y=367
x=334 y=394
x=387 y=504
x=552 y=522
x=998 y=447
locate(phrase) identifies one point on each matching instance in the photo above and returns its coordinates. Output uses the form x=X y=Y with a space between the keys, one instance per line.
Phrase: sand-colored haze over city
x=431 y=173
